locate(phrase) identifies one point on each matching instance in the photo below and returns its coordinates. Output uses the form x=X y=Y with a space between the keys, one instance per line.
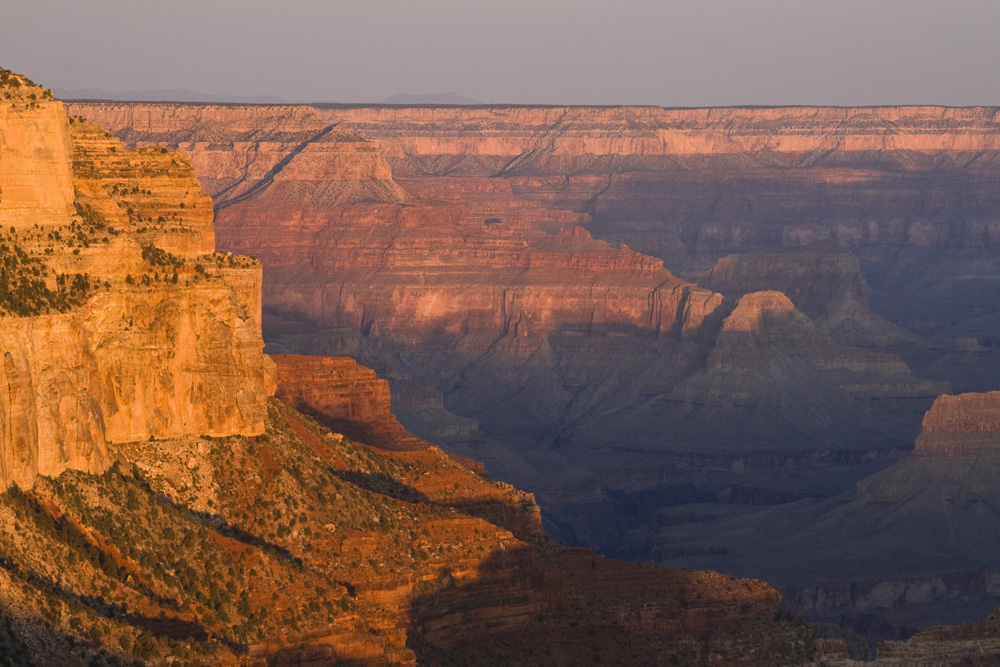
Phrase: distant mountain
x=429 y=98
x=162 y=95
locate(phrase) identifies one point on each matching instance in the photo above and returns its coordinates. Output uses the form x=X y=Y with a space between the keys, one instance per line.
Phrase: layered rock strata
x=241 y=532
x=444 y=250
x=719 y=178
x=343 y=391
x=822 y=280
x=963 y=425
x=114 y=330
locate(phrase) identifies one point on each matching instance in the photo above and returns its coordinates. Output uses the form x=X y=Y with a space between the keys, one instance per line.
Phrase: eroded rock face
x=823 y=280
x=36 y=177
x=137 y=339
x=962 y=425
x=970 y=645
x=694 y=183
x=340 y=390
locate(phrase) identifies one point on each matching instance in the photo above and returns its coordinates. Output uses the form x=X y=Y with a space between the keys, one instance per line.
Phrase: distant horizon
x=715 y=53
x=492 y=105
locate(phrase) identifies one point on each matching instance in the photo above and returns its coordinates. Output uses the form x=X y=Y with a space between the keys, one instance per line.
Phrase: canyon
x=165 y=502
x=655 y=320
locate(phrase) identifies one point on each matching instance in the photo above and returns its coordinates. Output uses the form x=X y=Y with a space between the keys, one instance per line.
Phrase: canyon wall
x=454 y=251
x=229 y=529
x=910 y=191
x=963 y=425
x=695 y=183
x=113 y=330
x=36 y=174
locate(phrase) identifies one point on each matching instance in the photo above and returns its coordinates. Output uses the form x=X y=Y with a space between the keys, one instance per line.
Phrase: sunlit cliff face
x=111 y=330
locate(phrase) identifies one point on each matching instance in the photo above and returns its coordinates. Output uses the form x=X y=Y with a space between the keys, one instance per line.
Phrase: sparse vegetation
x=28 y=287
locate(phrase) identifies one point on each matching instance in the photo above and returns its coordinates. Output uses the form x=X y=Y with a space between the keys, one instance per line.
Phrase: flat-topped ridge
x=962 y=425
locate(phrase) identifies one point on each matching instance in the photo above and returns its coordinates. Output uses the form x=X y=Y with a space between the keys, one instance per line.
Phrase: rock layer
x=914 y=542
x=341 y=391
x=963 y=425
x=447 y=249
x=157 y=346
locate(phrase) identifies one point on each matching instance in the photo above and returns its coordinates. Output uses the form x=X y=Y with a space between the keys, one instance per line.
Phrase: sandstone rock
x=170 y=553
x=147 y=354
x=445 y=249
x=343 y=393
x=36 y=174
x=822 y=280
x=962 y=425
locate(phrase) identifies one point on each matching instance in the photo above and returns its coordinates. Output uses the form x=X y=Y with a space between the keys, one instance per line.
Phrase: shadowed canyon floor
x=831 y=271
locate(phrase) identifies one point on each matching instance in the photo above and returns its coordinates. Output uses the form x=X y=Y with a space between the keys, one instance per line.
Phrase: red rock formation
x=718 y=180
x=822 y=280
x=243 y=532
x=963 y=425
x=341 y=390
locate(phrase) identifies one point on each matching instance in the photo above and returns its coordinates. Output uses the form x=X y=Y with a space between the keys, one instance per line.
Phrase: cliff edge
x=119 y=321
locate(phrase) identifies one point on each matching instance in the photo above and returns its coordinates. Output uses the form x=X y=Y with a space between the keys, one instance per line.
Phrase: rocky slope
x=324 y=550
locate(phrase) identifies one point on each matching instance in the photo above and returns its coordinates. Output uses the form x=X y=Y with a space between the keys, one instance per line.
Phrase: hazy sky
x=685 y=53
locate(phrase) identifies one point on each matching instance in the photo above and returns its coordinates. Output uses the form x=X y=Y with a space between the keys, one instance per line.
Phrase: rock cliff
x=822 y=280
x=113 y=328
x=963 y=425
x=342 y=391
x=165 y=511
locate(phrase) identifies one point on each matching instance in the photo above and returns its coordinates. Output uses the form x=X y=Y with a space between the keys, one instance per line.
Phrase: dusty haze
x=711 y=53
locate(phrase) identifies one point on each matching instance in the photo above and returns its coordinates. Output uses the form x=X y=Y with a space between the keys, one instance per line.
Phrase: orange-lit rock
x=448 y=248
x=152 y=345
x=341 y=391
x=962 y=425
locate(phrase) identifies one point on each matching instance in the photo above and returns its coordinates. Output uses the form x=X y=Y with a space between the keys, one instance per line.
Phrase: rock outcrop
x=343 y=393
x=113 y=328
x=963 y=425
x=822 y=280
